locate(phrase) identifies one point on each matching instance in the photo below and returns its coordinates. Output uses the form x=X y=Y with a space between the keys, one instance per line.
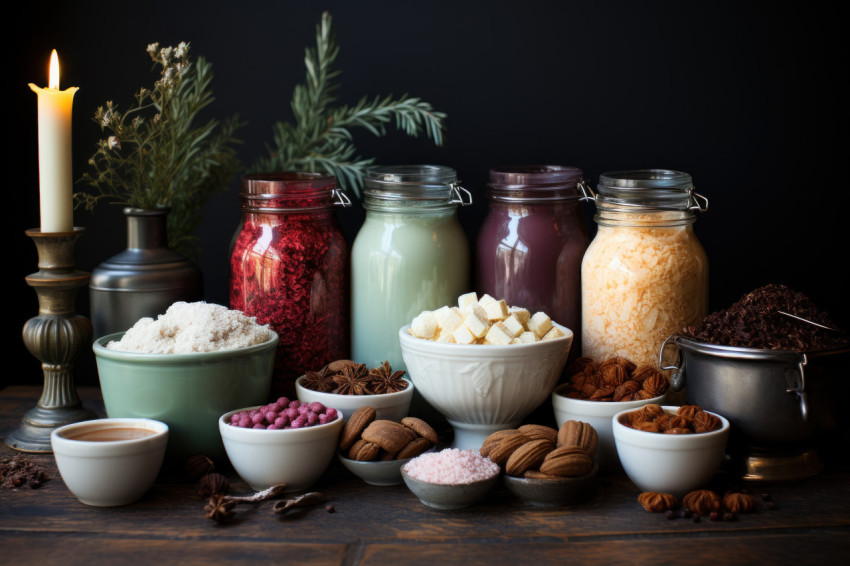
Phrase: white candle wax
x=54 y=153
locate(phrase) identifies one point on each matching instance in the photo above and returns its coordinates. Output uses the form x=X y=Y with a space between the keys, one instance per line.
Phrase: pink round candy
x=317 y=407
x=258 y=425
x=331 y=413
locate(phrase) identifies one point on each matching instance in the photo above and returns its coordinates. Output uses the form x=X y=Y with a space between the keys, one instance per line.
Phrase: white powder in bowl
x=192 y=327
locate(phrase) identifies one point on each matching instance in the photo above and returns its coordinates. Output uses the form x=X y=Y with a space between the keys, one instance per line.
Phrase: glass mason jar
x=532 y=242
x=290 y=269
x=645 y=274
x=410 y=255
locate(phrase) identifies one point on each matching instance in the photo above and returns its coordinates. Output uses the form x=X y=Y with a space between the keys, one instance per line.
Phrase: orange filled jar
x=645 y=274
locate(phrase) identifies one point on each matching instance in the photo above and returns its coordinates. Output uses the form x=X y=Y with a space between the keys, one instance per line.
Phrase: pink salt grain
x=451 y=467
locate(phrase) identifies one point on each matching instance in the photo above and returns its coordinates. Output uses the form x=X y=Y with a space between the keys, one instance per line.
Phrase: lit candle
x=54 y=152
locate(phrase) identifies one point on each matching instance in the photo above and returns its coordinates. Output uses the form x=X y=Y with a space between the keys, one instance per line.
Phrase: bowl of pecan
x=597 y=392
x=375 y=449
x=347 y=386
x=670 y=449
x=545 y=467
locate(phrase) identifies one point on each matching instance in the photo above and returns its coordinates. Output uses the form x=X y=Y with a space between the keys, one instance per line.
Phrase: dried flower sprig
x=321 y=139
x=156 y=155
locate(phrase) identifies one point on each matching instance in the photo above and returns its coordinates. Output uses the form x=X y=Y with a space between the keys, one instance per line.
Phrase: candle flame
x=53 y=75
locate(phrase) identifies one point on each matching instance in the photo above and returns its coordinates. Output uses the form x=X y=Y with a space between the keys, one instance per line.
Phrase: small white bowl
x=108 y=473
x=263 y=458
x=448 y=496
x=597 y=414
x=669 y=463
x=388 y=406
x=484 y=388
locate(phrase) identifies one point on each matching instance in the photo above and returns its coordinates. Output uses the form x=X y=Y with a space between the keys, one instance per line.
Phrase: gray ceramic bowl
x=377 y=473
x=448 y=496
x=549 y=493
x=188 y=392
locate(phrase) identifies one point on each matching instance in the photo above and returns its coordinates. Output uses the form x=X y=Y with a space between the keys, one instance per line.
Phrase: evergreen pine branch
x=321 y=138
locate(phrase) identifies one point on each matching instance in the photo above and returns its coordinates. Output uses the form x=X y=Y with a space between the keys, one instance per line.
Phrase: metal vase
x=143 y=280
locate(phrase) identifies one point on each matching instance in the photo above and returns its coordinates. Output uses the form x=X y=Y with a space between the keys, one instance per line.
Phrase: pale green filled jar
x=410 y=255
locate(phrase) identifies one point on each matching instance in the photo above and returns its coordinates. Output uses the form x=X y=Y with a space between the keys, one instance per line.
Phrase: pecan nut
x=528 y=456
x=567 y=461
x=736 y=502
x=702 y=502
x=657 y=502
x=506 y=446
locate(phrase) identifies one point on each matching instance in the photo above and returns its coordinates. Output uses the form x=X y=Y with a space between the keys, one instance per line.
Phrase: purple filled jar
x=532 y=242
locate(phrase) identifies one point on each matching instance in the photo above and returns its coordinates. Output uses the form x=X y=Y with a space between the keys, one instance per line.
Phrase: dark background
x=747 y=97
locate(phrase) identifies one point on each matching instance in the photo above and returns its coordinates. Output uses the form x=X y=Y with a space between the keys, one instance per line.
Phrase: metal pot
x=776 y=400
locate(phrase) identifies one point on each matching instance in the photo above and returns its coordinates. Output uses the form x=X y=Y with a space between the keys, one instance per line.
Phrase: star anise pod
x=220 y=509
x=354 y=380
x=384 y=380
x=322 y=380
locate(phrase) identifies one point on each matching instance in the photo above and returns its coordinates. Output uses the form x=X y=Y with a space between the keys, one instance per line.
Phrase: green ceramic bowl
x=188 y=392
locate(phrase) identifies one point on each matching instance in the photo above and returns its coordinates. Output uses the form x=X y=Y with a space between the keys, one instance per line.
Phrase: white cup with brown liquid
x=110 y=462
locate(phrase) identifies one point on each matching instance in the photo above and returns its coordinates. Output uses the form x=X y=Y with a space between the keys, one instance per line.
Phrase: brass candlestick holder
x=56 y=337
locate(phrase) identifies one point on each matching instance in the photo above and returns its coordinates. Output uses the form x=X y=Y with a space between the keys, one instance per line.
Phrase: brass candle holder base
x=56 y=337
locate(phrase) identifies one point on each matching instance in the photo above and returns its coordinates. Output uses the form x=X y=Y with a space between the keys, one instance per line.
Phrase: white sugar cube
x=499 y=335
x=522 y=314
x=474 y=308
x=448 y=319
x=462 y=335
x=425 y=325
x=527 y=337
x=477 y=324
x=553 y=333
x=514 y=325
x=496 y=310
x=540 y=324
x=486 y=300
x=445 y=336
x=468 y=299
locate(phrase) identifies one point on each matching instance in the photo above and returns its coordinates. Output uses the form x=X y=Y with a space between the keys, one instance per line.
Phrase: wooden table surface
x=388 y=525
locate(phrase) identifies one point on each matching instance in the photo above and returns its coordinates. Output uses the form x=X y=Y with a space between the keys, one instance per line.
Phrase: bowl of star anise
x=347 y=386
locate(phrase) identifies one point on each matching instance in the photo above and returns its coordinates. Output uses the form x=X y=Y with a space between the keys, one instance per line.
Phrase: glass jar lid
x=291 y=191
x=534 y=183
x=419 y=186
x=644 y=190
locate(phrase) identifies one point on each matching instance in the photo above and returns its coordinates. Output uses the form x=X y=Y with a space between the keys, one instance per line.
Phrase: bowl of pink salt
x=451 y=478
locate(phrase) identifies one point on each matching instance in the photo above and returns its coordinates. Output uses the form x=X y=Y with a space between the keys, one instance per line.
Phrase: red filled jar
x=290 y=269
